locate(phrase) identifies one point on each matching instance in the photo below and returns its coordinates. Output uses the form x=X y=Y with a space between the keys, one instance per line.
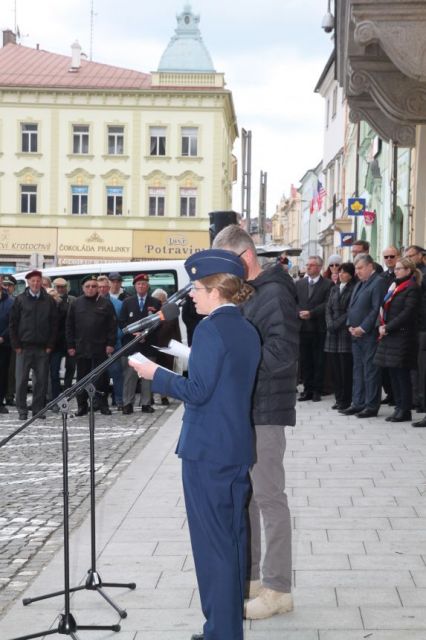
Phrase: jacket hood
x=276 y=274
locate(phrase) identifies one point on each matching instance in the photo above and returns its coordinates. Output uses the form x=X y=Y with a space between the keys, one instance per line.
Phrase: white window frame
x=115 y=140
x=80 y=139
x=188 y=203
x=189 y=142
x=29 y=192
x=81 y=199
x=29 y=135
x=157 y=141
x=156 y=201
x=114 y=199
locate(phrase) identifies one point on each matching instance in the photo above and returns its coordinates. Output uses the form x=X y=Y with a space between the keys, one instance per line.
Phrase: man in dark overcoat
x=273 y=311
x=91 y=333
x=33 y=328
x=312 y=295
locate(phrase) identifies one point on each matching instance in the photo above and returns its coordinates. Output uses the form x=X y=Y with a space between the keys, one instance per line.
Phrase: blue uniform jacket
x=222 y=369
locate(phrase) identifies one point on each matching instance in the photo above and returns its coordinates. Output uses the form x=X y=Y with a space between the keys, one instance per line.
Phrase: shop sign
x=95 y=243
x=27 y=240
x=168 y=245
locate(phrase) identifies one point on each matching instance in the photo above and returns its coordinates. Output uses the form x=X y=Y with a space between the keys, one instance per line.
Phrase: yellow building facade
x=102 y=163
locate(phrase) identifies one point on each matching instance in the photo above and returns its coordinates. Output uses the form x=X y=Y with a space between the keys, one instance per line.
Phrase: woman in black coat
x=338 y=342
x=397 y=349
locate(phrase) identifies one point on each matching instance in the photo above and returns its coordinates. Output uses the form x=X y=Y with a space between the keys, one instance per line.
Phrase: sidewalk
x=357 y=496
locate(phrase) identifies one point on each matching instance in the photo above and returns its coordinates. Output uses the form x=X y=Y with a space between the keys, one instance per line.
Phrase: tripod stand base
x=93 y=583
x=68 y=627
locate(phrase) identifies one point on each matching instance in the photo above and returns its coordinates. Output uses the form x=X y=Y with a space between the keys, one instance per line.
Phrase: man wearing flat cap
x=116 y=290
x=33 y=328
x=135 y=308
x=90 y=334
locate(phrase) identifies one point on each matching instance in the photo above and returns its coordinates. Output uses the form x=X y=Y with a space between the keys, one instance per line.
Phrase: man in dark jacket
x=135 y=308
x=273 y=311
x=33 y=327
x=362 y=320
x=312 y=294
x=6 y=303
x=91 y=328
x=61 y=286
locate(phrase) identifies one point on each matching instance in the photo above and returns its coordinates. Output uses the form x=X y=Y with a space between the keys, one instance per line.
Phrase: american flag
x=318 y=197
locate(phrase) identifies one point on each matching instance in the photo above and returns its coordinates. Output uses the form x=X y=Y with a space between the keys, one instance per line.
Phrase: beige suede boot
x=268 y=603
x=253 y=588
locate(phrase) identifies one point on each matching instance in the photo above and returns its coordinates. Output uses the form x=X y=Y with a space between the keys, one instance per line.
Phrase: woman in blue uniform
x=216 y=442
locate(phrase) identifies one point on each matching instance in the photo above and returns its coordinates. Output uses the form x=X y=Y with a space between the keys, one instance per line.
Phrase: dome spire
x=186 y=50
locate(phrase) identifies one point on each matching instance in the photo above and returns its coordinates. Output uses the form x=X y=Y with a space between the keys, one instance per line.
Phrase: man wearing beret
x=6 y=303
x=135 y=308
x=33 y=328
x=90 y=334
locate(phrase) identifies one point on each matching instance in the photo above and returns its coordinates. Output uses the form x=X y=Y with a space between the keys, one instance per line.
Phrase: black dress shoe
x=350 y=411
x=387 y=400
x=4 y=409
x=146 y=408
x=82 y=411
x=419 y=423
x=106 y=411
x=10 y=402
x=343 y=406
x=22 y=416
x=391 y=417
x=367 y=413
x=305 y=396
x=127 y=409
x=401 y=416
x=316 y=397
x=165 y=402
x=197 y=636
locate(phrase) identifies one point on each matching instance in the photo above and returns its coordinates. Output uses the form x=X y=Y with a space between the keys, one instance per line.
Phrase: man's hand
x=304 y=315
x=356 y=332
x=382 y=331
x=109 y=350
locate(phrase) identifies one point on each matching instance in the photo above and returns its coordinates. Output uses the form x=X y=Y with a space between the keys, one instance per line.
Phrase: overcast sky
x=271 y=51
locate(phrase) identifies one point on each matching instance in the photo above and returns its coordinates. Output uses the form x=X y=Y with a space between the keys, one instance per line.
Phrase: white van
x=169 y=275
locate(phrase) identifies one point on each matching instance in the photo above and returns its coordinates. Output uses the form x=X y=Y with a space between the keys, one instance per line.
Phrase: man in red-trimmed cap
x=135 y=308
x=32 y=328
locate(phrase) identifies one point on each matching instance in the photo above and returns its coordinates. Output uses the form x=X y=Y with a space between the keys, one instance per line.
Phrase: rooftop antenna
x=92 y=27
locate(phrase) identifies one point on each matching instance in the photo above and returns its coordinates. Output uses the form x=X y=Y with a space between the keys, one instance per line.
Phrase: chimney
x=76 y=56
x=8 y=37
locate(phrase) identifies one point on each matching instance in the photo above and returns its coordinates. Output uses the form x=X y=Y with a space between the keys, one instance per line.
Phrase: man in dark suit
x=312 y=294
x=135 y=308
x=362 y=321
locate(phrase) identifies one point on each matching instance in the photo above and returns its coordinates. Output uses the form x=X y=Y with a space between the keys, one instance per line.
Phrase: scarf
x=391 y=293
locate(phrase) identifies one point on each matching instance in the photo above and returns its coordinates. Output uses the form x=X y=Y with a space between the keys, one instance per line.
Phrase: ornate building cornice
x=381 y=64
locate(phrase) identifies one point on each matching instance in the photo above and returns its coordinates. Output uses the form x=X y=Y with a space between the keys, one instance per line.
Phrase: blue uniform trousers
x=216 y=499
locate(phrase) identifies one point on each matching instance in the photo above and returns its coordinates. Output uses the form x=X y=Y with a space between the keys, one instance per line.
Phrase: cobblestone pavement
x=31 y=484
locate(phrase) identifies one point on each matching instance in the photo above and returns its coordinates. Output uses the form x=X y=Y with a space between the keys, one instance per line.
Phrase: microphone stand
x=67 y=623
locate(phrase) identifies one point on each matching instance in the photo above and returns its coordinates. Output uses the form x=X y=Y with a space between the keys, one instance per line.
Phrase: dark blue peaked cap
x=211 y=261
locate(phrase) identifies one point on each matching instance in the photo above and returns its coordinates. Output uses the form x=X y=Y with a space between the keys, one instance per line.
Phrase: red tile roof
x=26 y=67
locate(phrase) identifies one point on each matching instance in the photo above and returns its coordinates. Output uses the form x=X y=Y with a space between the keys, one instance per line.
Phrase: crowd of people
x=45 y=327
x=354 y=328
x=365 y=325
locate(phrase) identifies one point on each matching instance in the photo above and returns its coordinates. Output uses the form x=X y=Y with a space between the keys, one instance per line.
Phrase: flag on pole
x=321 y=193
x=318 y=196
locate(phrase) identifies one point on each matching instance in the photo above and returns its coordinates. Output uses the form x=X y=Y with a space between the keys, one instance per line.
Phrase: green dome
x=186 y=50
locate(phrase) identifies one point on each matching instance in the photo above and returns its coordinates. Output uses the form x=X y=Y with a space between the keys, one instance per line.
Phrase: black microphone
x=169 y=311
x=180 y=295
